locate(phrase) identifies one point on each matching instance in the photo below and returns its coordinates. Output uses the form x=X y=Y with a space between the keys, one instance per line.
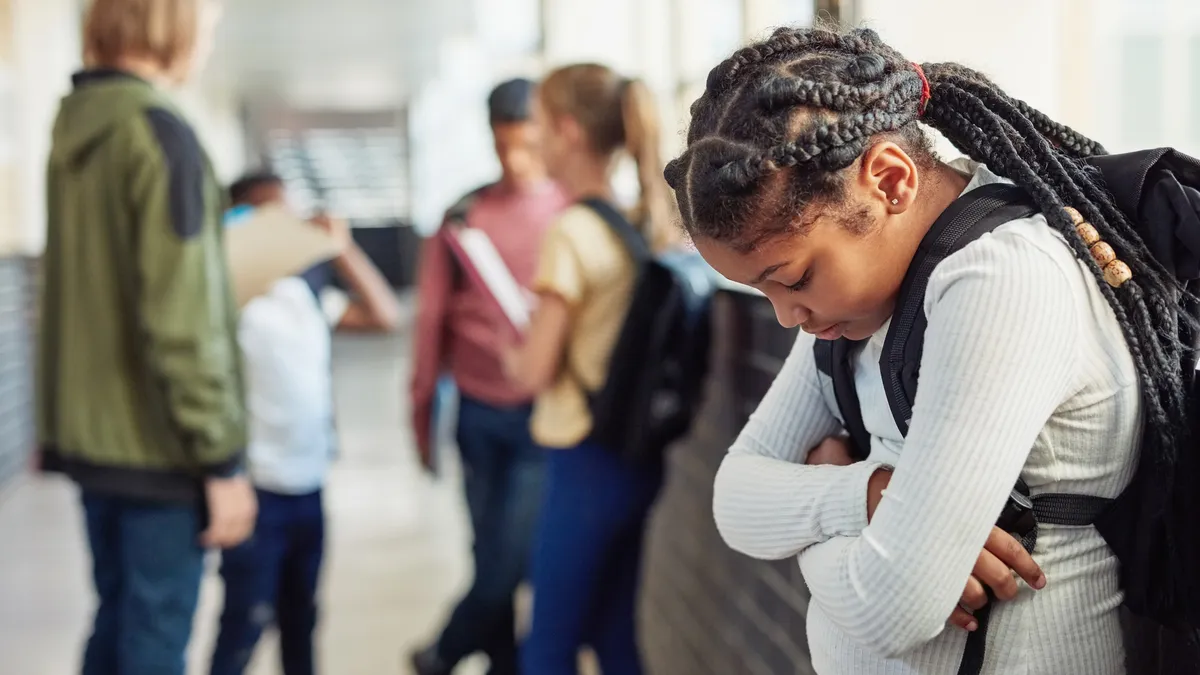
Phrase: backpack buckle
x=1017 y=517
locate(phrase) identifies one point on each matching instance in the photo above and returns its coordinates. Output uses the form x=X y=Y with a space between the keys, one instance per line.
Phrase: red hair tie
x=926 y=93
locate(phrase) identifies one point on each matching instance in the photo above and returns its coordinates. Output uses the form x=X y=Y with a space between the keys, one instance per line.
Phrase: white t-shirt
x=285 y=341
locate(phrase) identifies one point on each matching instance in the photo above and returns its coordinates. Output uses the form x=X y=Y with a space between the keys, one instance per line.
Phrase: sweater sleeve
x=998 y=361
x=767 y=503
x=184 y=303
x=435 y=280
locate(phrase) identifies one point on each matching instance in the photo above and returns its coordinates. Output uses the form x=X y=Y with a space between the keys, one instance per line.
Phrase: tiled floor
x=396 y=553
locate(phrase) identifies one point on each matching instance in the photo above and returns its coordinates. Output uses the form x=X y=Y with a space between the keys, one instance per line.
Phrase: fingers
x=1013 y=555
x=832 y=450
x=245 y=522
x=1001 y=557
x=227 y=530
x=963 y=619
x=232 y=513
x=975 y=596
x=996 y=575
x=214 y=536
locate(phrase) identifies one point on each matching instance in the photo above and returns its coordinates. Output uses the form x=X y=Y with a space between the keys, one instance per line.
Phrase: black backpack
x=658 y=365
x=1159 y=191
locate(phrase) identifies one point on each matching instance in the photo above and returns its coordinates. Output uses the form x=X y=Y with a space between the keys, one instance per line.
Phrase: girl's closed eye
x=799 y=285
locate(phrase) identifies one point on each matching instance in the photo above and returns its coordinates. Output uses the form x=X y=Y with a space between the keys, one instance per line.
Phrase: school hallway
x=396 y=549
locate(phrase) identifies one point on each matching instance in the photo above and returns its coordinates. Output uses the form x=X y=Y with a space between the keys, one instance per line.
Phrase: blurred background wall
x=408 y=78
x=373 y=109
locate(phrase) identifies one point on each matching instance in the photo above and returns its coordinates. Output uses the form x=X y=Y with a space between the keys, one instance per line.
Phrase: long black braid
x=780 y=119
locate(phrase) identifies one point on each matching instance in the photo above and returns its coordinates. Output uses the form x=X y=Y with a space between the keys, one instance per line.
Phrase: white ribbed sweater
x=1025 y=373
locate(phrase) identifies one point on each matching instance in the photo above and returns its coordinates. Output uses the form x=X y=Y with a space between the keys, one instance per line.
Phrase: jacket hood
x=101 y=101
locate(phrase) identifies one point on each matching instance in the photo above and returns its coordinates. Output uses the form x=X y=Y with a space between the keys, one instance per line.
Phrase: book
x=266 y=244
x=481 y=262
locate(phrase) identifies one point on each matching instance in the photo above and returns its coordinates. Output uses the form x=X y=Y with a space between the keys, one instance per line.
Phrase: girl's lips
x=832 y=333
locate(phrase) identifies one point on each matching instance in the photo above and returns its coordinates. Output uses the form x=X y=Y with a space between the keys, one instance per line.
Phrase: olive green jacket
x=140 y=388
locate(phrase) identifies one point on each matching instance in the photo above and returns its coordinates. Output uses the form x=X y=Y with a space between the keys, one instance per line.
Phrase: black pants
x=272 y=579
x=503 y=472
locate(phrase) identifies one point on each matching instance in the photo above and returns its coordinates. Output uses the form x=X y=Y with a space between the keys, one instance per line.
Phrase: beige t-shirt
x=584 y=263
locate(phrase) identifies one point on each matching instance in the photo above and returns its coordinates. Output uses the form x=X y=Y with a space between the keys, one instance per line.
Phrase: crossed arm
x=768 y=503
x=1002 y=331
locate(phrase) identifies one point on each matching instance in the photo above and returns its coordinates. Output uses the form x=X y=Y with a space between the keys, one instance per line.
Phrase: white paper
x=485 y=260
x=271 y=244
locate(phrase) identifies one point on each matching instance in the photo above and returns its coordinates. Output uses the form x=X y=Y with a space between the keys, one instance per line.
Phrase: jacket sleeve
x=434 y=281
x=184 y=302
x=766 y=501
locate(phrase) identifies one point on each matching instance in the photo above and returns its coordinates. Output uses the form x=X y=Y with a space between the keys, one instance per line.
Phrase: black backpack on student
x=658 y=365
x=1159 y=191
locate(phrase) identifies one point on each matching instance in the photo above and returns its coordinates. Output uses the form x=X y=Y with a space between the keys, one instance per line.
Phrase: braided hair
x=780 y=120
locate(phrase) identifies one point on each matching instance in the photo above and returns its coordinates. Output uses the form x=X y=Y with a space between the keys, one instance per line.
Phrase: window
x=1193 y=82
x=708 y=31
x=1141 y=90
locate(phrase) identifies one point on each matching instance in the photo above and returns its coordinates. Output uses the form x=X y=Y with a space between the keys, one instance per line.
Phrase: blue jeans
x=146 y=563
x=587 y=562
x=272 y=579
x=503 y=471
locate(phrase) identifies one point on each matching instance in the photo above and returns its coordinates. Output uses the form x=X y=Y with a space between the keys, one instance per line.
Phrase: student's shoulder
x=1022 y=248
x=162 y=131
x=580 y=227
x=1019 y=278
x=471 y=199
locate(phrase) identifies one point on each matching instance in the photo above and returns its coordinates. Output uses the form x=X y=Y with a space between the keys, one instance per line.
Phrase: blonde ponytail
x=643 y=141
x=616 y=113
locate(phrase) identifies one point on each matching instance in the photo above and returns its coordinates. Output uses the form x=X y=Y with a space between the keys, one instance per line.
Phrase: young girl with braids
x=587 y=557
x=807 y=175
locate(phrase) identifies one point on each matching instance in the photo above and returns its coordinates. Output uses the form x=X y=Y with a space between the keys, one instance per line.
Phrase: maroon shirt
x=458 y=327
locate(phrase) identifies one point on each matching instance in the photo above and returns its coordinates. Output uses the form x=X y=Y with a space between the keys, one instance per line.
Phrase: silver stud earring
x=895 y=202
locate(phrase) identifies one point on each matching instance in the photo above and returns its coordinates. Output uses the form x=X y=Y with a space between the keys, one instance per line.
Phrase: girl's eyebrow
x=766 y=273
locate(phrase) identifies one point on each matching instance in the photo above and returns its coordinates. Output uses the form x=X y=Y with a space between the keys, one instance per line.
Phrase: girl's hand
x=1001 y=556
x=337 y=229
x=876 y=486
x=833 y=450
x=510 y=358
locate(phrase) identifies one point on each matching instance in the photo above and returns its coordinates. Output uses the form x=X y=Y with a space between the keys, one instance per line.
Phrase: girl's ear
x=570 y=129
x=889 y=176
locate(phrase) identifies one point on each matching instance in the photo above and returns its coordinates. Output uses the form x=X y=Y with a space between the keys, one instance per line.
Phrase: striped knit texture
x=1025 y=373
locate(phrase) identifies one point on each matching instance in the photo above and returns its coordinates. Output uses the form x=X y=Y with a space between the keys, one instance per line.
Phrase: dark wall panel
x=707 y=610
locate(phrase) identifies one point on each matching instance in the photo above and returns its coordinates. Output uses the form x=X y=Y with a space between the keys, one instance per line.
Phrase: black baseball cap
x=511 y=101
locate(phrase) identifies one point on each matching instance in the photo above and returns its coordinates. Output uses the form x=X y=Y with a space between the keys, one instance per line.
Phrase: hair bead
x=1087 y=233
x=1103 y=254
x=1116 y=273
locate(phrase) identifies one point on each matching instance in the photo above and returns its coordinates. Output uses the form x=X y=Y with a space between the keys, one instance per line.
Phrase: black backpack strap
x=1021 y=517
x=638 y=249
x=970 y=217
x=835 y=359
x=966 y=220
x=633 y=240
